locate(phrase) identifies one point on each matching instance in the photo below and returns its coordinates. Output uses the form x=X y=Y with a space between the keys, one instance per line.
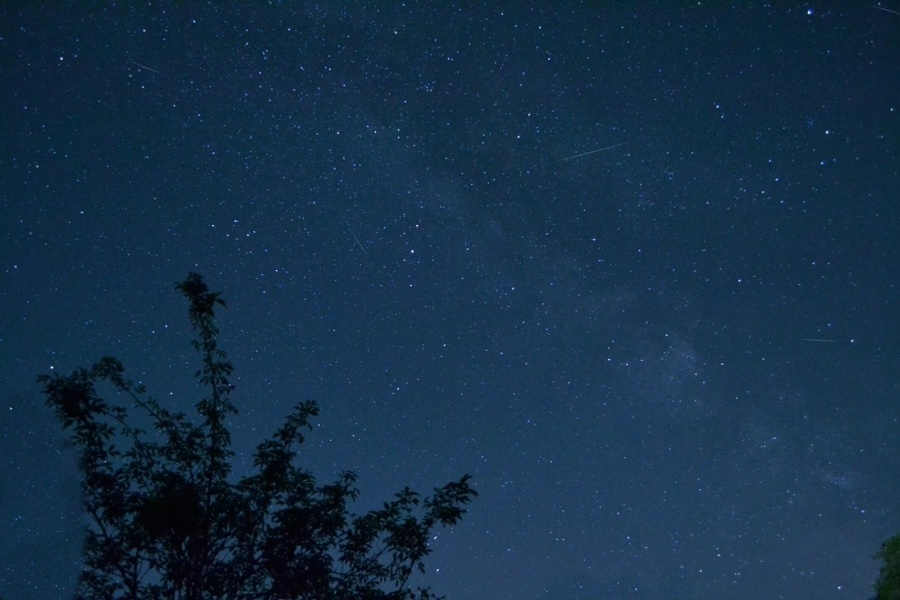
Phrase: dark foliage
x=887 y=587
x=167 y=521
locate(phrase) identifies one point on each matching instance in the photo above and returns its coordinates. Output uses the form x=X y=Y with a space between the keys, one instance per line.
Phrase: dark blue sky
x=671 y=366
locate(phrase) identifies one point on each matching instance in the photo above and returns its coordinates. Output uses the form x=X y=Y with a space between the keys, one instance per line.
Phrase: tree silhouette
x=167 y=520
x=887 y=586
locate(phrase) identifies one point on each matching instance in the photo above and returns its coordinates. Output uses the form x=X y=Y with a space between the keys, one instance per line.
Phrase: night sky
x=672 y=366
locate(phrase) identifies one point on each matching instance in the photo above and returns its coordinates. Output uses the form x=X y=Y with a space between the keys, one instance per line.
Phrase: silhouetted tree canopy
x=167 y=520
x=887 y=587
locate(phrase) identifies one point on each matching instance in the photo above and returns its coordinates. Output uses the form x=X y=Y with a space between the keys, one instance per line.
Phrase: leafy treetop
x=167 y=521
